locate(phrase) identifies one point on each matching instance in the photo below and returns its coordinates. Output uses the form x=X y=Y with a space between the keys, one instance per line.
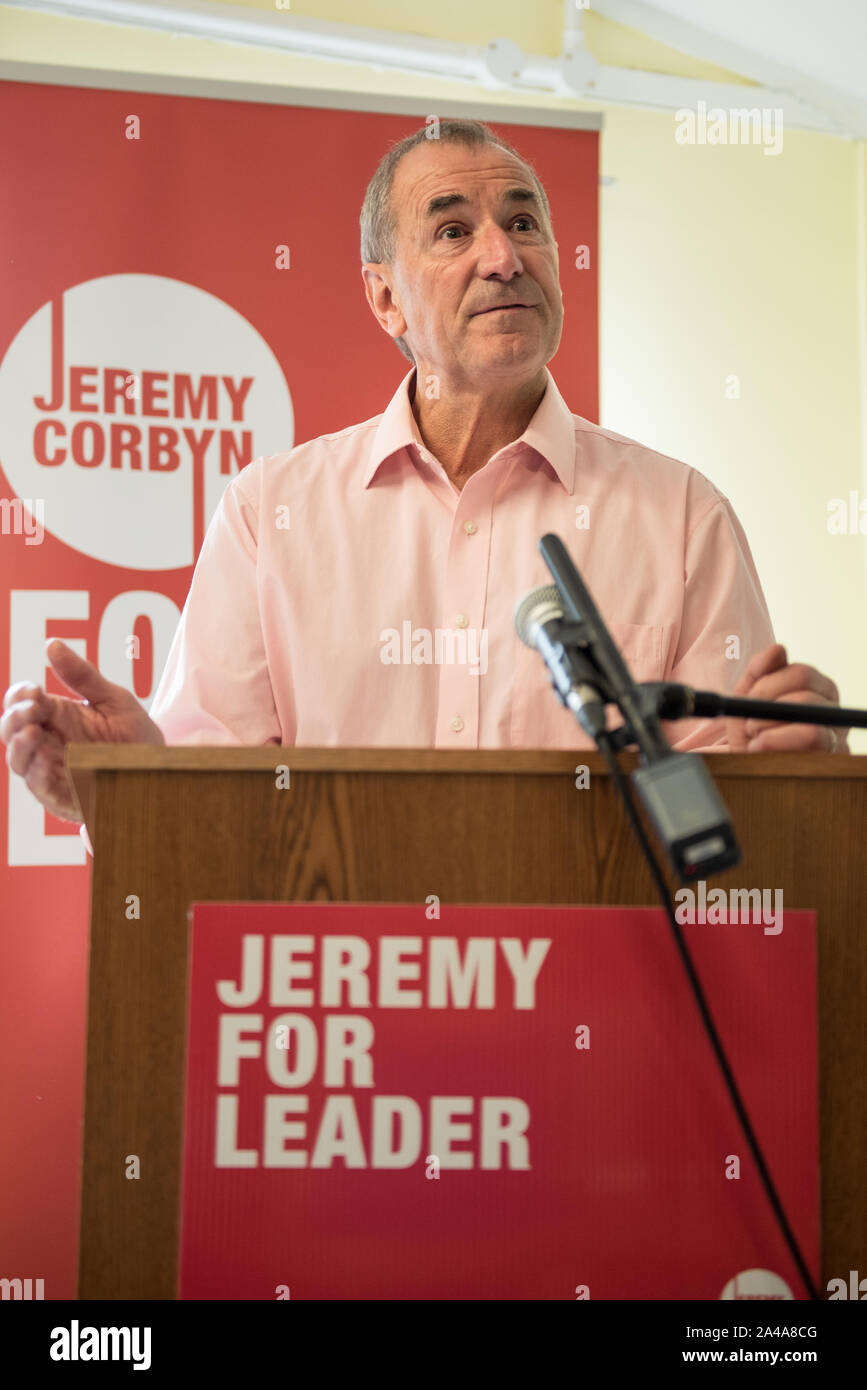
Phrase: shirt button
x=470 y=527
x=462 y=620
x=457 y=724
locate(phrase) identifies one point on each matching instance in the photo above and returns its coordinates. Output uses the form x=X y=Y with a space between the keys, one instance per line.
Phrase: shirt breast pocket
x=538 y=718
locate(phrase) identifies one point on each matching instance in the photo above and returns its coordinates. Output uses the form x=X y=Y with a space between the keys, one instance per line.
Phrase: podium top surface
x=86 y=758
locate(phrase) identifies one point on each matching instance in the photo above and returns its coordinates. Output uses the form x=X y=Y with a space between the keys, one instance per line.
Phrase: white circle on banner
x=757 y=1284
x=117 y=484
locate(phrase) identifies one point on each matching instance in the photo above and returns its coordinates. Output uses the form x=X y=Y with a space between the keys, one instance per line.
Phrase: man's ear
x=382 y=298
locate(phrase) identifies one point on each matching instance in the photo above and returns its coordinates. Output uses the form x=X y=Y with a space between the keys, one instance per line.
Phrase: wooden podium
x=177 y=825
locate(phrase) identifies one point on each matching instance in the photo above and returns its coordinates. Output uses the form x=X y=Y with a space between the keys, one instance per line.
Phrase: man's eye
x=523 y=223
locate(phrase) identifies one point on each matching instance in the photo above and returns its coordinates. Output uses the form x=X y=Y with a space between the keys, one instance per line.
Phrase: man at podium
x=359 y=589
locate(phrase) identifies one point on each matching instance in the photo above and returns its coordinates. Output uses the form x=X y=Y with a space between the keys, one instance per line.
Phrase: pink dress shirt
x=315 y=556
x=325 y=573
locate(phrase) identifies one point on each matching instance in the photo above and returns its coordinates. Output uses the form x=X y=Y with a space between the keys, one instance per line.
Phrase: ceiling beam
x=846 y=112
x=498 y=65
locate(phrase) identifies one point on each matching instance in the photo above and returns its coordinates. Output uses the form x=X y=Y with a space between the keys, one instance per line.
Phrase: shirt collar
x=551 y=432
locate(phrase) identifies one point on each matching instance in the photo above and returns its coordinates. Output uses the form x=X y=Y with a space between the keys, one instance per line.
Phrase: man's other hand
x=770 y=677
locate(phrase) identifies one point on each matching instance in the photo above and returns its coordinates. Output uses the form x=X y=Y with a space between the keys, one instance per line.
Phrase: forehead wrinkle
x=442 y=201
x=424 y=190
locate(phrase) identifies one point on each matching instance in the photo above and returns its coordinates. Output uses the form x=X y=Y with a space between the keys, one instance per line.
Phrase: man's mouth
x=500 y=308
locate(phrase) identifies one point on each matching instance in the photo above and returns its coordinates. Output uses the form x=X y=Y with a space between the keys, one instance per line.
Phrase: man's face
x=474 y=288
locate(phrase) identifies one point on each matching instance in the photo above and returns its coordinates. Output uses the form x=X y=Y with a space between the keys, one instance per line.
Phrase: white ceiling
x=824 y=39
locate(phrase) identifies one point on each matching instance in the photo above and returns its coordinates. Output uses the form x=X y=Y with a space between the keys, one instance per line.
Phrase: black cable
x=622 y=787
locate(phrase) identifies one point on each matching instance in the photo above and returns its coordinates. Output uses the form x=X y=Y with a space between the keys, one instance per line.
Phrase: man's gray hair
x=378 y=226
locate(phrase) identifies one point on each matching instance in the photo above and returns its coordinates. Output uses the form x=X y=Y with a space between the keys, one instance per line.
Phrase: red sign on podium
x=424 y=1102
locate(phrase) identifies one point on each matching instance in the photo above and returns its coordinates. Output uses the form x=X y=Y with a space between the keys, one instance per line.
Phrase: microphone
x=581 y=609
x=588 y=671
x=541 y=624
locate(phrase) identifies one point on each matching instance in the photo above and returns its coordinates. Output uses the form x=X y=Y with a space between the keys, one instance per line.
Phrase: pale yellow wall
x=714 y=262
x=719 y=262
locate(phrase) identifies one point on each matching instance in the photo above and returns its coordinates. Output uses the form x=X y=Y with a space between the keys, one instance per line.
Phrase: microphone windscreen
x=539 y=606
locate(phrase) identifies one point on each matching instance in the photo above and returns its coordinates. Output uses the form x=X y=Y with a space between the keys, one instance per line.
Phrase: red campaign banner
x=499 y=1103
x=181 y=293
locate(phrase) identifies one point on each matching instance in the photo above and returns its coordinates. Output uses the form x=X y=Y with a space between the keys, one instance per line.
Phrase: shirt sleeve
x=724 y=621
x=216 y=686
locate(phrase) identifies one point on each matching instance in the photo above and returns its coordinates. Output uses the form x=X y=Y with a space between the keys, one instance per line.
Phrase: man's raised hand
x=36 y=726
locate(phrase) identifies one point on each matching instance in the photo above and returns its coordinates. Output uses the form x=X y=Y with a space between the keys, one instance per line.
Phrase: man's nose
x=497 y=253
